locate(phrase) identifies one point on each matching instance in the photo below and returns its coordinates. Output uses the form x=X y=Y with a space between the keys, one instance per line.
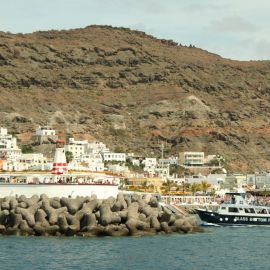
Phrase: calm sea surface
x=218 y=248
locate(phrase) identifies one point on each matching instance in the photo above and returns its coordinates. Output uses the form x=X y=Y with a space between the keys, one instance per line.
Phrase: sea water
x=217 y=248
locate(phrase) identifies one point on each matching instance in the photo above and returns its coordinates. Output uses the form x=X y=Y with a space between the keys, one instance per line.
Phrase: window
x=223 y=208
x=233 y=210
x=249 y=210
x=261 y=211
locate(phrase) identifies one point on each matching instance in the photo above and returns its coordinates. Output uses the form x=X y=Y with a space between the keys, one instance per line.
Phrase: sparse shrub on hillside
x=27 y=148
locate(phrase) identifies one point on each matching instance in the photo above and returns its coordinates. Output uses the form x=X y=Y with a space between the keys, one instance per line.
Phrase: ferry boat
x=240 y=210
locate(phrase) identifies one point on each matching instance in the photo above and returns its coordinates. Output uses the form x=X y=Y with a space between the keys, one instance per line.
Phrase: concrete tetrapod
x=89 y=216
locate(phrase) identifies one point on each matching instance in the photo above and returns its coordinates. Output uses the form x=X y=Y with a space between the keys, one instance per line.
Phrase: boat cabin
x=245 y=210
x=242 y=204
x=237 y=198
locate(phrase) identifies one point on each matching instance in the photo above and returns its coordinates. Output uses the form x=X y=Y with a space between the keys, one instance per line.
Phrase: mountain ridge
x=132 y=90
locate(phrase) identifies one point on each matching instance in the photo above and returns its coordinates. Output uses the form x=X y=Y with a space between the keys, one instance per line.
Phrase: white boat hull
x=102 y=191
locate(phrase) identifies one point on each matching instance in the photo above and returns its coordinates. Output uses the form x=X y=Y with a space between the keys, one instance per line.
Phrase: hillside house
x=110 y=156
x=8 y=146
x=45 y=134
x=191 y=158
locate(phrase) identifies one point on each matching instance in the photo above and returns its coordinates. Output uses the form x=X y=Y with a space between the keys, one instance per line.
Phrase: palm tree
x=195 y=187
x=152 y=188
x=123 y=183
x=167 y=185
x=205 y=186
x=144 y=185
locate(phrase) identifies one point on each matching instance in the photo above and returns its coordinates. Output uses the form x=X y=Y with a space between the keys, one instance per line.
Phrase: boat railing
x=190 y=200
x=75 y=181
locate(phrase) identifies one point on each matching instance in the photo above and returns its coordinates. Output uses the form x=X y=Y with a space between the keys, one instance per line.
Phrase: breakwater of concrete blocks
x=89 y=216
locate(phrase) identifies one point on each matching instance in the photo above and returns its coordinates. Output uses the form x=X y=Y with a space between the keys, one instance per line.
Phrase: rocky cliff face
x=132 y=90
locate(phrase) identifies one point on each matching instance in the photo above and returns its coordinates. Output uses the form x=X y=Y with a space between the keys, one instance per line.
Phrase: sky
x=235 y=29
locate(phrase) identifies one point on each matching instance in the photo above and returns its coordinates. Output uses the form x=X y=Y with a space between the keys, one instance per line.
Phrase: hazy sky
x=237 y=29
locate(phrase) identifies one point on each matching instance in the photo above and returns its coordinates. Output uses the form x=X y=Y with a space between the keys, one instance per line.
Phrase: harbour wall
x=89 y=216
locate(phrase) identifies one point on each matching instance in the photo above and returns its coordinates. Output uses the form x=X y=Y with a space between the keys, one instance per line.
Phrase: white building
x=216 y=179
x=191 y=158
x=84 y=148
x=169 y=161
x=163 y=171
x=3 y=132
x=45 y=134
x=33 y=160
x=77 y=148
x=78 y=142
x=150 y=162
x=8 y=146
x=196 y=178
x=251 y=179
x=233 y=181
x=96 y=147
x=13 y=166
x=91 y=162
x=150 y=165
x=135 y=160
x=117 y=168
x=109 y=156
x=45 y=131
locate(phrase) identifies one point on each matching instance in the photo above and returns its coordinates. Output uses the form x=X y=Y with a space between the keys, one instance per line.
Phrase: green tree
x=213 y=162
x=69 y=156
x=134 y=168
x=175 y=169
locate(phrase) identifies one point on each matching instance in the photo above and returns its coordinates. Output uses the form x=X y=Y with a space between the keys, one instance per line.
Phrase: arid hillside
x=134 y=91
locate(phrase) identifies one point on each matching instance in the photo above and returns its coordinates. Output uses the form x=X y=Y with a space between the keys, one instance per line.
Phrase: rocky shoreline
x=89 y=216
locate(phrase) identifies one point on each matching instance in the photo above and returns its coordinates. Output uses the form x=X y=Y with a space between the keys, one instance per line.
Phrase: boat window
x=261 y=211
x=241 y=209
x=233 y=210
x=249 y=210
x=223 y=208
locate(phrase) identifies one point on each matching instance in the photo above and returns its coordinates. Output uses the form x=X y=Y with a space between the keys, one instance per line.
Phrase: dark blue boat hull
x=215 y=218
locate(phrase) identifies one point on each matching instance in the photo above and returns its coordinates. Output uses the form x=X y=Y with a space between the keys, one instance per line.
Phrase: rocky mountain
x=134 y=91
